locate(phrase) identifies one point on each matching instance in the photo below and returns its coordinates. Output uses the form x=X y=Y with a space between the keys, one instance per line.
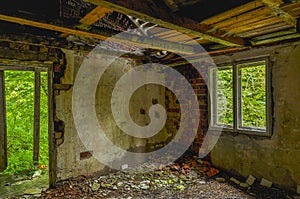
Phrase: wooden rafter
x=156 y=15
x=200 y=56
x=274 y=5
x=92 y=17
x=95 y=15
x=135 y=40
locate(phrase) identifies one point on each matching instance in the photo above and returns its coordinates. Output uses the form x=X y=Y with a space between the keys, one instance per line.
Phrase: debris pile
x=188 y=177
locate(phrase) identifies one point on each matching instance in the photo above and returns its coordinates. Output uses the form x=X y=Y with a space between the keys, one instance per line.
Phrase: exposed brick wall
x=27 y=52
x=198 y=83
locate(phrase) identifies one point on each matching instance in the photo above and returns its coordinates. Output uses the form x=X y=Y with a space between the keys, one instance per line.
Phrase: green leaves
x=20 y=113
x=254 y=105
x=225 y=96
x=252 y=87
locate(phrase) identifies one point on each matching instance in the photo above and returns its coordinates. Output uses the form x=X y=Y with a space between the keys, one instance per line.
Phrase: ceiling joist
x=135 y=40
x=274 y=5
x=95 y=15
x=92 y=17
x=156 y=15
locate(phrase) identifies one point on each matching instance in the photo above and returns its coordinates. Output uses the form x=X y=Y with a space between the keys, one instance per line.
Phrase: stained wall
x=73 y=157
x=276 y=158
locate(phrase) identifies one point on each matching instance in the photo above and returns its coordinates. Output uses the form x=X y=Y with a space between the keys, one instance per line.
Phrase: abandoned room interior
x=132 y=81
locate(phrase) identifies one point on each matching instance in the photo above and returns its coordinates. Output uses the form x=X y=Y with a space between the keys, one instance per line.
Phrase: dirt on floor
x=11 y=185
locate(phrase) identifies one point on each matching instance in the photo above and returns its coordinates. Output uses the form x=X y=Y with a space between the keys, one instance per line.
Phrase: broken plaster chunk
x=221 y=180
x=32 y=191
x=266 y=183
x=236 y=181
x=95 y=186
x=250 y=180
x=202 y=182
x=244 y=185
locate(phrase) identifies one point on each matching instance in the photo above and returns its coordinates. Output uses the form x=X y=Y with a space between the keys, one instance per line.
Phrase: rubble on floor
x=189 y=177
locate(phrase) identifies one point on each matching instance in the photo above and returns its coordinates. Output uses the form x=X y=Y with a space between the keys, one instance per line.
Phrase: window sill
x=254 y=133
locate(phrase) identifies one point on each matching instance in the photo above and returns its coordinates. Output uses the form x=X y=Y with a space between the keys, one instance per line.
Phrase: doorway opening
x=24 y=153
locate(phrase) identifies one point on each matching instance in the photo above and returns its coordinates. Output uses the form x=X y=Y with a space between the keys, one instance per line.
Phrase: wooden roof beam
x=154 y=14
x=129 y=39
x=93 y=16
x=274 y=5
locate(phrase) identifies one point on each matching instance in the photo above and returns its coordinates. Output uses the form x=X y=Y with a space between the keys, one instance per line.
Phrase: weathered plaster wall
x=276 y=158
x=73 y=158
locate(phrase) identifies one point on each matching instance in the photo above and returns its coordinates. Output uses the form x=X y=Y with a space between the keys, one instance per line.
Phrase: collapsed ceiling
x=217 y=26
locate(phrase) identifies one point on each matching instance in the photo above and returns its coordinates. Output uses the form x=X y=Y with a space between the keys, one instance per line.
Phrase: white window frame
x=237 y=107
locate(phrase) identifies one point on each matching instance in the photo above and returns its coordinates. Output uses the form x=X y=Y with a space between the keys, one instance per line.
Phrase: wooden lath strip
x=138 y=9
x=255 y=25
x=168 y=34
x=135 y=40
x=275 y=7
x=274 y=34
x=272 y=40
x=163 y=33
x=264 y=30
x=233 y=12
x=253 y=15
x=241 y=24
x=291 y=6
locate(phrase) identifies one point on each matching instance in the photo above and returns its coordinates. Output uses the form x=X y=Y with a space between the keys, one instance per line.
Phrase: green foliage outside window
x=253 y=92
x=252 y=87
x=20 y=116
x=224 y=96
